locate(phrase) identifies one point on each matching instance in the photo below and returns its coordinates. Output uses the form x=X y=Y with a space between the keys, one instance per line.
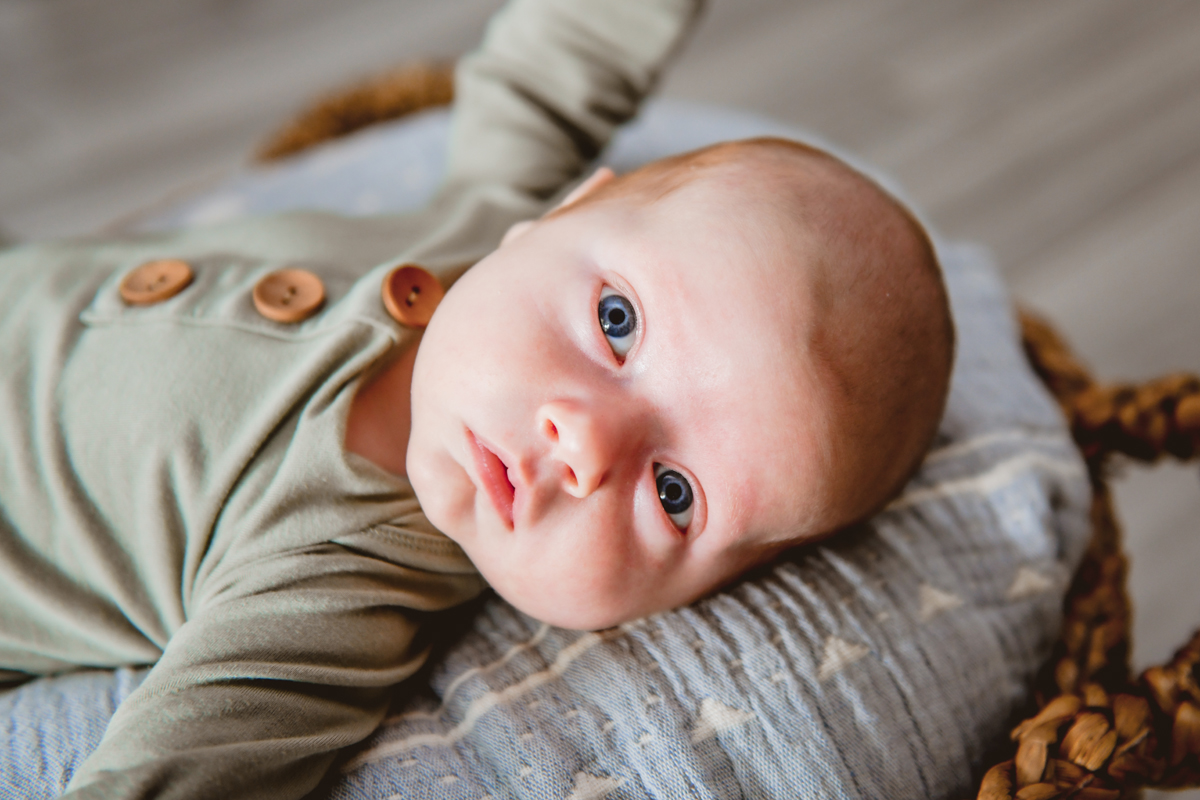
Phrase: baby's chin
x=563 y=606
x=573 y=619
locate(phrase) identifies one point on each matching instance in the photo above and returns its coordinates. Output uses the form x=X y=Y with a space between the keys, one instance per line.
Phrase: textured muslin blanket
x=880 y=663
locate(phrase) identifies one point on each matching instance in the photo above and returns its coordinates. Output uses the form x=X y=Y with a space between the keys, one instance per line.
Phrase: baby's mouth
x=493 y=474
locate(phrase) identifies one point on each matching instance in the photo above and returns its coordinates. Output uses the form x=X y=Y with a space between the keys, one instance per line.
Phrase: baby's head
x=677 y=374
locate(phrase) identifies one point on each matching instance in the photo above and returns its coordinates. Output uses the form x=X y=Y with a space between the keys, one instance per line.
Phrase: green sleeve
x=552 y=81
x=284 y=662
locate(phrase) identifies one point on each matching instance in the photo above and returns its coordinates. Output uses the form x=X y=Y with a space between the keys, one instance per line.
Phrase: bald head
x=883 y=345
x=877 y=337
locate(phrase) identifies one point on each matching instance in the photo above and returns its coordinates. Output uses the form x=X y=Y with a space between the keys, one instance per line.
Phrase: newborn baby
x=669 y=379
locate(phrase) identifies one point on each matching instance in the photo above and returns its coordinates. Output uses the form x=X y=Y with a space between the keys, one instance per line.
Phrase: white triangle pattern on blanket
x=592 y=787
x=1028 y=582
x=839 y=654
x=934 y=601
x=716 y=717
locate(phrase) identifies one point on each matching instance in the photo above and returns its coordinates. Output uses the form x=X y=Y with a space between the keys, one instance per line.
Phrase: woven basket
x=1099 y=734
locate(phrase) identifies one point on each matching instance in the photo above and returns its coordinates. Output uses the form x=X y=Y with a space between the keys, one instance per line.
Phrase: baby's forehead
x=803 y=191
x=763 y=262
x=750 y=171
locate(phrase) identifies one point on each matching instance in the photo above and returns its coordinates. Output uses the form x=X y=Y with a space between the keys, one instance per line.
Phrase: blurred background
x=1064 y=135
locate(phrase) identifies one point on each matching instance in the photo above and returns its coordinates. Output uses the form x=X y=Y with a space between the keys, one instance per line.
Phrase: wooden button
x=289 y=295
x=155 y=281
x=411 y=294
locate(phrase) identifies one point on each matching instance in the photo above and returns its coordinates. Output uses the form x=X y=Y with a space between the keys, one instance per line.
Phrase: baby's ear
x=594 y=181
x=515 y=230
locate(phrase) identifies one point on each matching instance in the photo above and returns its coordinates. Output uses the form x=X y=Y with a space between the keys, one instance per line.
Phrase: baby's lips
x=493 y=474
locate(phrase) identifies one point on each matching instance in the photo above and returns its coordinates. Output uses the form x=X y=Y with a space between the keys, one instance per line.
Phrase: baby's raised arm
x=552 y=81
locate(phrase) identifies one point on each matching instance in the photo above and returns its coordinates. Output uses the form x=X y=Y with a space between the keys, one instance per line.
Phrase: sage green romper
x=173 y=484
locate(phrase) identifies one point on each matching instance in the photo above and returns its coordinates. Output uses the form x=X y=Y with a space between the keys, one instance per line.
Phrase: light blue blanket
x=879 y=664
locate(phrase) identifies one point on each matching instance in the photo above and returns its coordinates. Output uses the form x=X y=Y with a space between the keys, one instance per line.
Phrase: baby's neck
x=380 y=415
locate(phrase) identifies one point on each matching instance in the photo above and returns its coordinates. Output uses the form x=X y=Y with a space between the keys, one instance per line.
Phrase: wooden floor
x=1064 y=135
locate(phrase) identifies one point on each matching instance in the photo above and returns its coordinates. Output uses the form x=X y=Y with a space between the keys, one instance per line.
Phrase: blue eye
x=618 y=320
x=675 y=494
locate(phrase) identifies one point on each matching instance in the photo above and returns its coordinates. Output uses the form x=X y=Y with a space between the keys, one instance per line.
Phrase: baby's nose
x=581 y=440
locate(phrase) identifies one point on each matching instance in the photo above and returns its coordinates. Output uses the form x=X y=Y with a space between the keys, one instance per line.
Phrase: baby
x=215 y=441
x=669 y=379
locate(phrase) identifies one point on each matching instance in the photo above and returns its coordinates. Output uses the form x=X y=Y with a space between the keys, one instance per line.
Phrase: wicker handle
x=1161 y=417
x=1099 y=735
x=1157 y=418
x=390 y=95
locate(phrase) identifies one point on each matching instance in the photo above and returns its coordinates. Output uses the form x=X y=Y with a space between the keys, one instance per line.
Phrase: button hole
x=412 y=295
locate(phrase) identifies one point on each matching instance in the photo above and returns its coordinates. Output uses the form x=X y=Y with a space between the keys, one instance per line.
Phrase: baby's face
x=613 y=414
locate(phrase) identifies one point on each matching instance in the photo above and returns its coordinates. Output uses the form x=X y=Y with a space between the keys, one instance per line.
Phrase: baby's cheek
x=445 y=494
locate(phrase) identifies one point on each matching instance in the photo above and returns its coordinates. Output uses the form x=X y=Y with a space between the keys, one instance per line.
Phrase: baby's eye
x=675 y=494
x=618 y=320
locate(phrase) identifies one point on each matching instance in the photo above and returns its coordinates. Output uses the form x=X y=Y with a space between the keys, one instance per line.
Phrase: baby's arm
x=283 y=662
x=551 y=83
